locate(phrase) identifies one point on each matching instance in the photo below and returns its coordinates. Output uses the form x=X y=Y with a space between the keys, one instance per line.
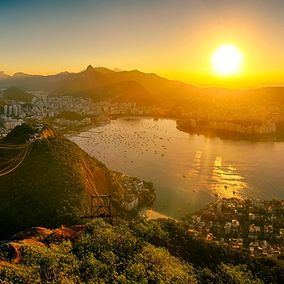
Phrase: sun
x=227 y=60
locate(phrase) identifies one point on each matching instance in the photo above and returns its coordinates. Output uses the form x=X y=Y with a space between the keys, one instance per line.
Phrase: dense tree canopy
x=127 y=252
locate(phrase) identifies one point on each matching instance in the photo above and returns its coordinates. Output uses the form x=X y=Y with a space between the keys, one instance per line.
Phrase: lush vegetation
x=70 y=115
x=128 y=252
x=51 y=187
x=17 y=94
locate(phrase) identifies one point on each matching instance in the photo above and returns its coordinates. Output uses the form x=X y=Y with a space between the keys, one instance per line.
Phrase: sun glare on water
x=227 y=60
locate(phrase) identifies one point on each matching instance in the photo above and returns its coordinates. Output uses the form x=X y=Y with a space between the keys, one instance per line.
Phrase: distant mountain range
x=3 y=75
x=100 y=83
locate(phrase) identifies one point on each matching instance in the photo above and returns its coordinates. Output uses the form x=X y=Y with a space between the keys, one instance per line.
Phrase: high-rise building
x=6 y=110
x=15 y=110
x=19 y=109
x=10 y=111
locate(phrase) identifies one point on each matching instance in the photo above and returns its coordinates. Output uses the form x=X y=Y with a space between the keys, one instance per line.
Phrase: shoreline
x=85 y=128
x=205 y=131
x=231 y=135
x=150 y=118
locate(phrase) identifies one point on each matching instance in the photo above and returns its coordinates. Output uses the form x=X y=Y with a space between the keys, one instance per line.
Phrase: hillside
x=3 y=75
x=34 y=82
x=128 y=91
x=53 y=184
x=119 y=86
x=17 y=94
x=137 y=251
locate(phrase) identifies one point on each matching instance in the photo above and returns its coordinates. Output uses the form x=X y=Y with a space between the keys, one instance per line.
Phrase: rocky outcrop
x=11 y=250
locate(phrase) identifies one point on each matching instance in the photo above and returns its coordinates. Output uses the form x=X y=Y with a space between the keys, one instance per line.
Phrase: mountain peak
x=62 y=73
x=20 y=74
x=3 y=75
x=90 y=68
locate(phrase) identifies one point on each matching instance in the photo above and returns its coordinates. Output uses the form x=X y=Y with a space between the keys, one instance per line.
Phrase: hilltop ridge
x=101 y=83
x=53 y=184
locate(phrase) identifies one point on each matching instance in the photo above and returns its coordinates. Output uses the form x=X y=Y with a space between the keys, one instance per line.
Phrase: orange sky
x=175 y=39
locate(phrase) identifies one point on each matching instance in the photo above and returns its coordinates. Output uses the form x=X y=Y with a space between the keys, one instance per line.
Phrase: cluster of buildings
x=238 y=127
x=225 y=108
x=44 y=107
x=131 y=108
x=51 y=106
x=47 y=108
x=131 y=193
x=252 y=225
x=62 y=122
x=9 y=123
x=13 y=110
x=11 y=117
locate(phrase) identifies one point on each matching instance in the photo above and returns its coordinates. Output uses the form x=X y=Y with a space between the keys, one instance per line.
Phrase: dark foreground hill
x=53 y=184
x=127 y=252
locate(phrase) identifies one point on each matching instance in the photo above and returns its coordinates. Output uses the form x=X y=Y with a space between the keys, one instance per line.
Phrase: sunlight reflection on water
x=188 y=170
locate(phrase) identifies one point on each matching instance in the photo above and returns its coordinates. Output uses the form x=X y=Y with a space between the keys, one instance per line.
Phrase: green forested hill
x=53 y=184
x=17 y=94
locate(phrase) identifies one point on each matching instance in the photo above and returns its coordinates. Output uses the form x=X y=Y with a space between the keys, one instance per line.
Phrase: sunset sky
x=174 y=38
